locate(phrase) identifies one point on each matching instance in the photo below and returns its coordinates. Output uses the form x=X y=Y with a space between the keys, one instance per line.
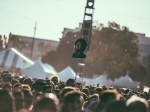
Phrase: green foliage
x=3 y=42
x=113 y=51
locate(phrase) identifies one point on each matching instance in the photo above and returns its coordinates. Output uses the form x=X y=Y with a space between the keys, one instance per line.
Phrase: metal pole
x=33 y=40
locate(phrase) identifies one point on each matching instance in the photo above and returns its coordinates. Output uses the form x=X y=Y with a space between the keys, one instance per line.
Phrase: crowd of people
x=22 y=94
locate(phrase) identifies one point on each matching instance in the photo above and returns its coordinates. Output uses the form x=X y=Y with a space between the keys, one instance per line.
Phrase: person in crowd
x=105 y=97
x=47 y=89
x=91 y=89
x=7 y=86
x=137 y=104
x=25 y=87
x=116 y=106
x=55 y=80
x=28 y=98
x=70 y=82
x=37 y=97
x=86 y=91
x=7 y=103
x=19 y=99
x=57 y=93
x=48 y=103
x=62 y=86
x=38 y=86
x=29 y=82
x=17 y=86
x=7 y=77
x=14 y=81
x=73 y=101
x=64 y=91
x=98 y=90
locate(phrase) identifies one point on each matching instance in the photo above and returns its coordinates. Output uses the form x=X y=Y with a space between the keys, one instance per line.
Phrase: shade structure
x=66 y=74
x=12 y=59
x=39 y=70
x=126 y=81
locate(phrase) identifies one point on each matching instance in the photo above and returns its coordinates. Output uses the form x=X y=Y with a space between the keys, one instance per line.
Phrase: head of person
x=92 y=90
x=62 y=86
x=64 y=91
x=73 y=101
x=17 y=86
x=7 y=86
x=14 y=81
x=80 y=45
x=55 y=79
x=57 y=93
x=47 y=89
x=137 y=104
x=7 y=77
x=39 y=85
x=98 y=90
x=93 y=97
x=19 y=99
x=38 y=96
x=7 y=103
x=70 y=82
x=28 y=98
x=25 y=87
x=28 y=81
x=86 y=91
x=49 y=103
x=116 y=106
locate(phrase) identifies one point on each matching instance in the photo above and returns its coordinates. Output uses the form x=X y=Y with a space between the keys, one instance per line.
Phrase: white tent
x=126 y=81
x=66 y=74
x=12 y=59
x=38 y=70
x=102 y=80
x=88 y=81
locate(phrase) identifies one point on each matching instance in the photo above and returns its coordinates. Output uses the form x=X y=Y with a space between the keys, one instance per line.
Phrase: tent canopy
x=38 y=70
x=12 y=59
x=66 y=74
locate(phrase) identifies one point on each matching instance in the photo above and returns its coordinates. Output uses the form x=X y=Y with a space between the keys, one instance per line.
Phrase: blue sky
x=19 y=16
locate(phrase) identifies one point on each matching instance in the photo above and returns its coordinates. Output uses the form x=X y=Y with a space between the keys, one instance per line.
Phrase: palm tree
x=22 y=44
x=42 y=46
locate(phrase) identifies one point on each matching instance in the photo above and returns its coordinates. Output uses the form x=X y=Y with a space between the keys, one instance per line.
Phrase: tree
x=22 y=44
x=48 y=48
x=62 y=57
x=3 y=42
x=15 y=40
x=113 y=50
x=41 y=47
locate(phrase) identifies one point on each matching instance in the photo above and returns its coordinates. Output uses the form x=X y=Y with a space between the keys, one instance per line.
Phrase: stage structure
x=86 y=34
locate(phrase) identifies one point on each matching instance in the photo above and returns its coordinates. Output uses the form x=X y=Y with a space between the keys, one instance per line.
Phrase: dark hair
x=86 y=90
x=16 y=85
x=84 y=43
x=19 y=99
x=98 y=89
x=6 y=101
x=65 y=90
x=28 y=97
x=70 y=96
x=47 y=87
x=70 y=80
x=104 y=96
x=116 y=106
x=62 y=86
x=46 y=104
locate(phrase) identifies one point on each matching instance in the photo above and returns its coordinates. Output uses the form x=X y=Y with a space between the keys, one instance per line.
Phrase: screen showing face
x=78 y=46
